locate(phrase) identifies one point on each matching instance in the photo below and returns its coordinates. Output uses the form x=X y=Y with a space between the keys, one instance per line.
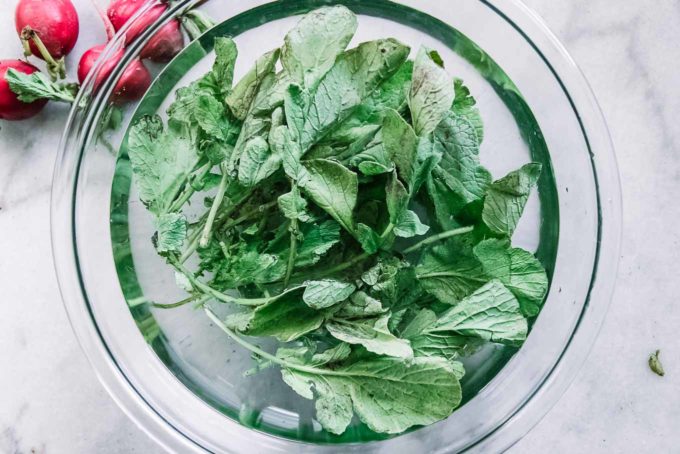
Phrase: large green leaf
x=333 y=187
x=372 y=333
x=450 y=272
x=242 y=96
x=286 y=318
x=491 y=313
x=388 y=394
x=432 y=92
x=517 y=269
x=161 y=161
x=354 y=76
x=459 y=179
x=326 y=293
x=312 y=46
x=506 y=198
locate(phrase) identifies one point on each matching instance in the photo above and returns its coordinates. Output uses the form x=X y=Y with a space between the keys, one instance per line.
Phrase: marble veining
x=51 y=401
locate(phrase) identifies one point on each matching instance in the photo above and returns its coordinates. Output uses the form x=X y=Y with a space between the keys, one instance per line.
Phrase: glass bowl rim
x=535 y=406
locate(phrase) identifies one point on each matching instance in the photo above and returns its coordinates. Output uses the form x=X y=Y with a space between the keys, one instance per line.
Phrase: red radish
x=89 y=58
x=163 y=45
x=10 y=106
x=134 y=82
x=55 y=22
x=120 y=11
x=131 y=86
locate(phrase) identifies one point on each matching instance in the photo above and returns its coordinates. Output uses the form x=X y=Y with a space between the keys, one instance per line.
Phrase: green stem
x=56 y=68
x=196 y=234
x=207 y=229
x=356 y=259
x=250 y=214
x=216 y=293
x=449 y=274
x=387 y=232
x=193 y=245
x=438 y=237
x=188 y=300
x=348 y=264
x=268 y=356
x=292 y=255
x=189 y=190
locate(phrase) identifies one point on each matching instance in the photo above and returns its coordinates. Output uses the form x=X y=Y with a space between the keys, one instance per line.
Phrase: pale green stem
x=189 y=189
x=292 y=255
x=56 y=68
x=268 y=356
x=192 y=298
x=216 y=293
x=438 y=237
x=219 y=197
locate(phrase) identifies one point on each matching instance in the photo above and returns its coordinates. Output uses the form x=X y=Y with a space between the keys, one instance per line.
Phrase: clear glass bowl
x=181 y=379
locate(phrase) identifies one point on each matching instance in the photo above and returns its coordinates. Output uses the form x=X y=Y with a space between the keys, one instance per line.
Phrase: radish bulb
x=131 y=86
x=49 y=30
x=11 y=108
x=164 y=45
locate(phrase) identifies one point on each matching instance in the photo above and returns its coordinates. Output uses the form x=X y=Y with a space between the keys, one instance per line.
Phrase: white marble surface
x=50 y=400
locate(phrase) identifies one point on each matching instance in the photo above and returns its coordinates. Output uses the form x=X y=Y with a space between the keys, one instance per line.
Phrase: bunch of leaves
x=349 y=217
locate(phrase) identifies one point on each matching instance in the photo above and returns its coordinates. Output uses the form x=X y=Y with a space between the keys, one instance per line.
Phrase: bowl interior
x=202 y=357
x=181 y=365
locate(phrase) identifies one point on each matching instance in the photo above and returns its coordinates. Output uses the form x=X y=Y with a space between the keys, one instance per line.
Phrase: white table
x=50 y=400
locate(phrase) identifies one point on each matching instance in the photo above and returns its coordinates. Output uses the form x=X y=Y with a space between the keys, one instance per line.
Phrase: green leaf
x=326 y=293
x=286 y=318
x=401 y=144
x=373 y=334
x=359 y=136
x=655 y=364
x=374 y=159
x=257 y=162
x=444 y=345
x=333 y=187
x=464 y=106
x=368 y=238
x=210 y=115
x=293 y=206
x=287 y=140
x=171 y=231
x=242 y=96
x=427 y=158
x=317 y=241
x=517 y=269
x=253 y=126
x=506 y=198
x=354 y=76
x=218 y=81
x=161 y=162
x=459 y=179
x=360 y=305
x=491 y=313
x=449 y=273
x=388 y=394
x=246 y=266
x=31 y=87
x=408 y=225
x=312 y=46
x=397 y=199
x=432 y=93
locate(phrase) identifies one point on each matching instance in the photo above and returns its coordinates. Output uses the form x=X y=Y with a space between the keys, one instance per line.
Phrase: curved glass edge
x=521 y=422
x=80 y=125
x=608 y=185
x=195 y=51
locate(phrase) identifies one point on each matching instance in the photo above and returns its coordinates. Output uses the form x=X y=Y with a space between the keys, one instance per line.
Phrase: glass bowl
x=182 y=380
